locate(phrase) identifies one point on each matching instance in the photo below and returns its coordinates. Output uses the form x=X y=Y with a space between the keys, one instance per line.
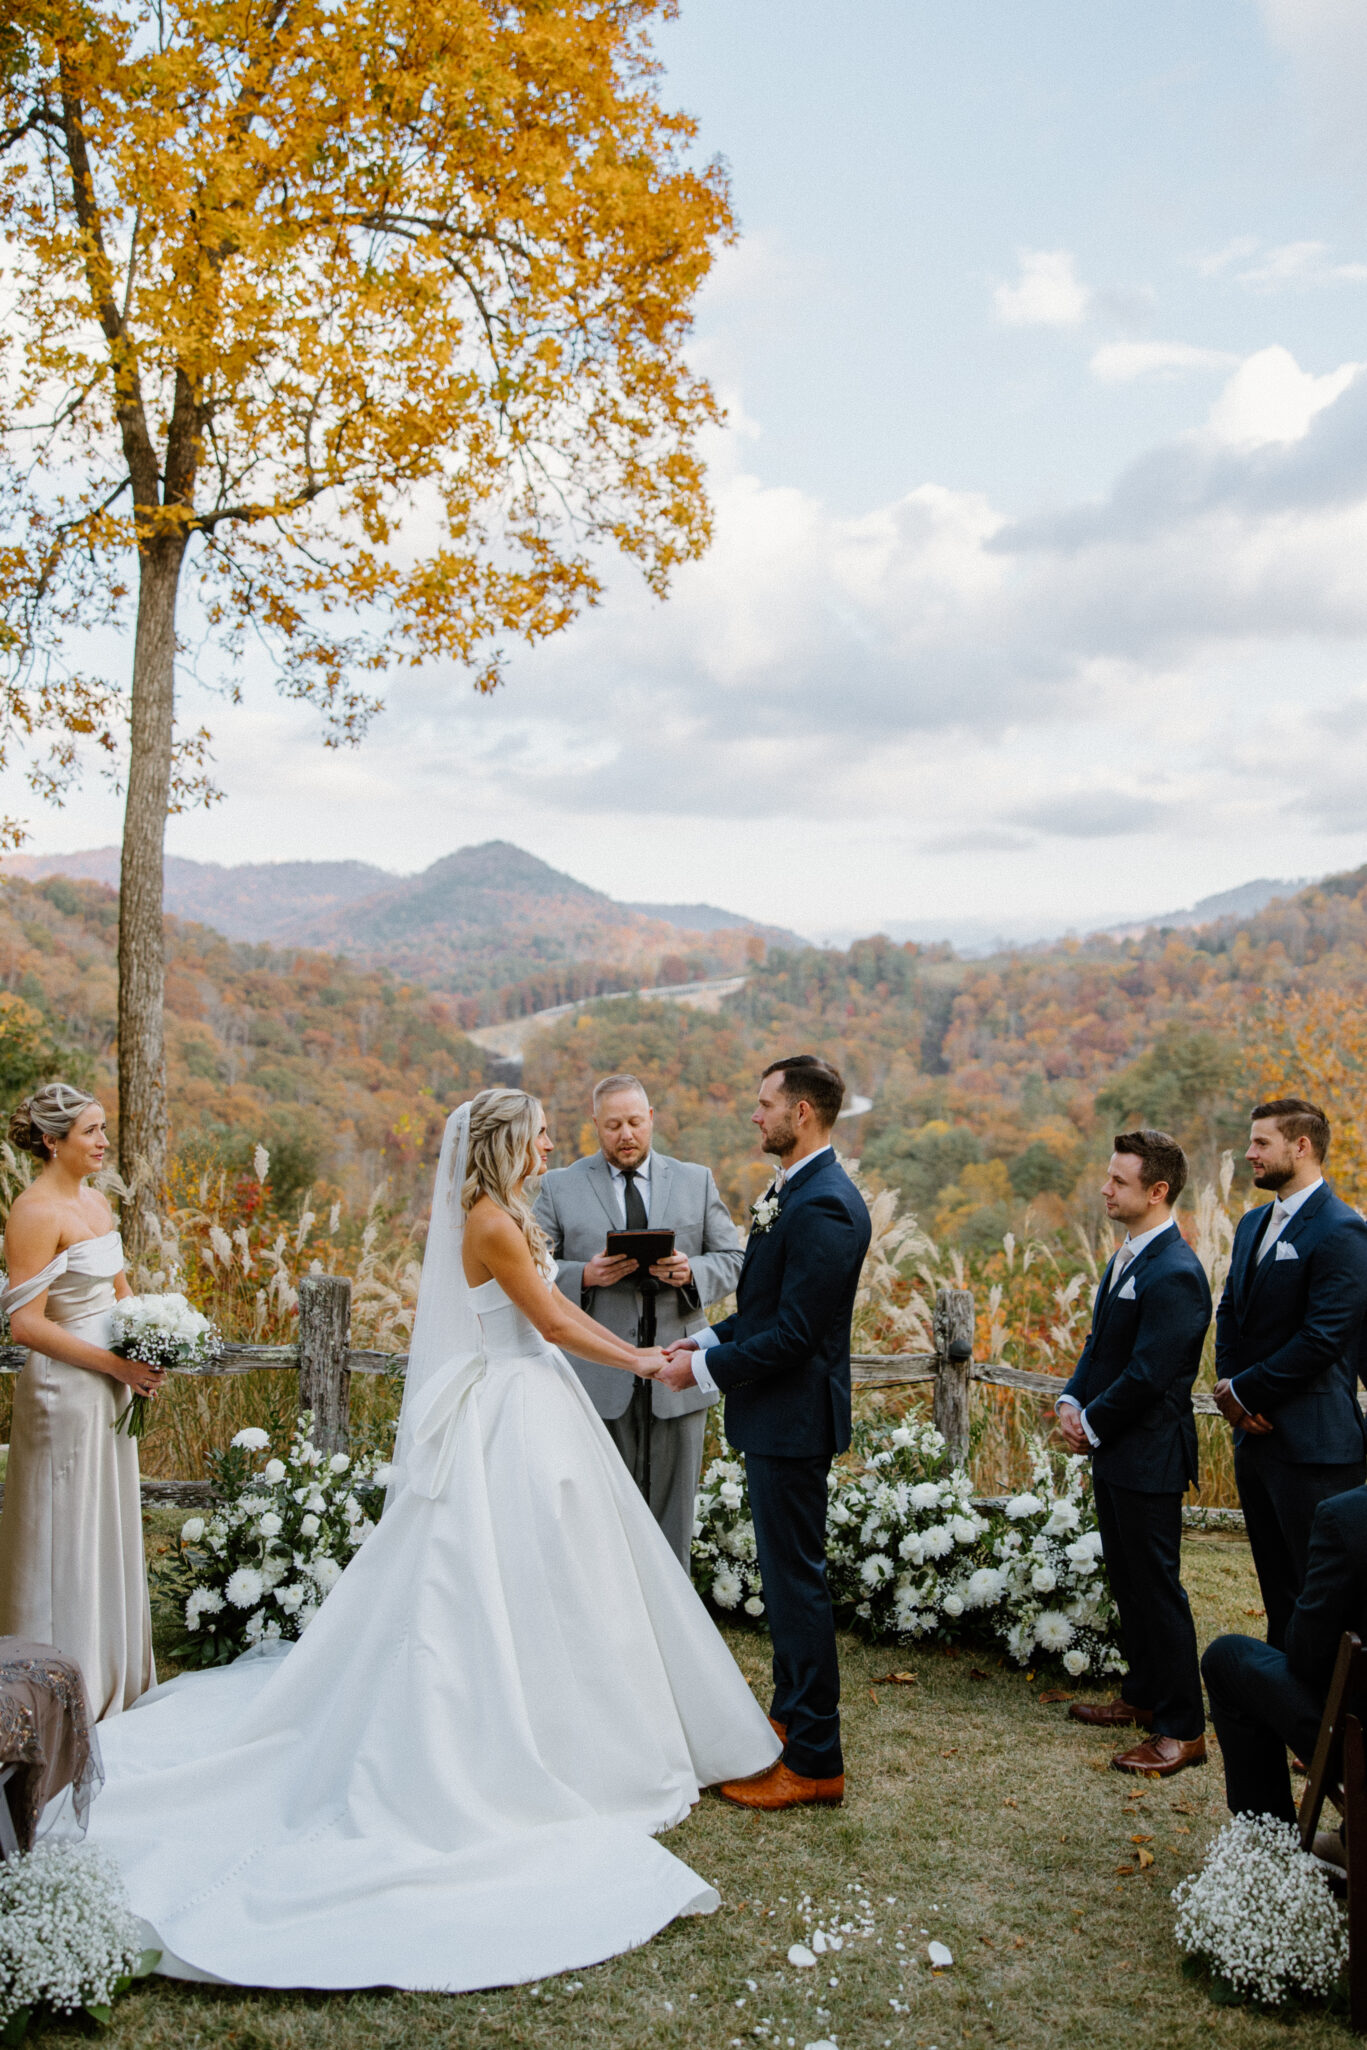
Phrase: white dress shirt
x=619 y=1184
x=1283 y=1210
x=1127 y=1252
x=707 y=1337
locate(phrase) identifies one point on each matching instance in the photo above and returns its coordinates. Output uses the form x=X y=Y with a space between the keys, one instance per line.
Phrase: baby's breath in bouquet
x=1259 y=1916
x=68 y=1939
x=162 y=1331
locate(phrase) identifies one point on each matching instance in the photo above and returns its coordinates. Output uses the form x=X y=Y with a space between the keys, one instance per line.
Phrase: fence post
x=324 y=1356
x=954 y=1329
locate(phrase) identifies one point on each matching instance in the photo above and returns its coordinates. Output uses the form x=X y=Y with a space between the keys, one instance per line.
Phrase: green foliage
x=1191 y=1082
x=1039 y=1171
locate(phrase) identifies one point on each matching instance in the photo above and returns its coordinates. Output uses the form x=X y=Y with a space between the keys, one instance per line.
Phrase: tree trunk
x=142 y=947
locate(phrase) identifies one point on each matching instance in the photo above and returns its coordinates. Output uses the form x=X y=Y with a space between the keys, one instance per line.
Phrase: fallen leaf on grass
x=1258 y=1615
x=988 y=1941
x=1010 y=1802
x=895 y=1680
x=1125 y=1871
x=1019 y=1943
x=1056 y=1694
x=1141 y=1839
x=873 y=1697
x=976 y=1673
x=952 y=1752
x=1183 y=1808
x=1145 y=1860
x=1099 y=1764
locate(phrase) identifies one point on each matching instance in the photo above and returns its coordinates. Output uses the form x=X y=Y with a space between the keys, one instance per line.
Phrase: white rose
x=339 y=1462
x=731 y=1495
x=1063 y=1516
x=270 y=1525
x=273 y=1471
x=754 y=1606
x=383 y=1475
x=1044 y=1580
x=1023 y=1505
x=252 y=1439
x=1076 y=1663
x=901 y=1436
x=290 y=1598
x=192 y=1530
x=952 y=1605
x=308 y=1527
x=965 y=1530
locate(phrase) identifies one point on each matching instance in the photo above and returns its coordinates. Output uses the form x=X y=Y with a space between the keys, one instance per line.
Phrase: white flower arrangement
x=1259 y=1914
x=764 y=1211
x=274 y=1547
x=165 y=1331
x=68 y=1940
x=909 y=1556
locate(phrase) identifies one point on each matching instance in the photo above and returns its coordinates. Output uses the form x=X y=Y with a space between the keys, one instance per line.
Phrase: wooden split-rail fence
x=325 y=1361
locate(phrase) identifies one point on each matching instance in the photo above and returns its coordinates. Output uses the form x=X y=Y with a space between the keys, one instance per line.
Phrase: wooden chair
x=1338 y=1773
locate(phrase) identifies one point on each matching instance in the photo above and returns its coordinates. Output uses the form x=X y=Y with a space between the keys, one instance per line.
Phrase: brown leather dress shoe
x=1162 y=1756
x=1110 y=1715
x=780 y=1788
x=780 y=1730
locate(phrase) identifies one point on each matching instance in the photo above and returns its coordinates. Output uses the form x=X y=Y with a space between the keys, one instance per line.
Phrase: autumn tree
x=362 y=318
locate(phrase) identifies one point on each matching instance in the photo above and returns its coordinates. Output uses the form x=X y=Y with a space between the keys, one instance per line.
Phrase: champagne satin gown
x=71 y=1561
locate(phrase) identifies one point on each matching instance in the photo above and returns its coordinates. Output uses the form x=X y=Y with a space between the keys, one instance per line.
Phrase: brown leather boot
x=780 y=1788
x=1162 y=1756
x=1110 y=1715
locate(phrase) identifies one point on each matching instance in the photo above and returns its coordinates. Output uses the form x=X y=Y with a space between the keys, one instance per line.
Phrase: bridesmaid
x=71 y=1559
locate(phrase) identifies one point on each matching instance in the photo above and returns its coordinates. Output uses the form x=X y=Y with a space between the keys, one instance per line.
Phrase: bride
x=456 y=1777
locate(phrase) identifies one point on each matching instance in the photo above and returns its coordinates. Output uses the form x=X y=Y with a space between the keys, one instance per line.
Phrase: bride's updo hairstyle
x=503 y=1128
x=46 y=1116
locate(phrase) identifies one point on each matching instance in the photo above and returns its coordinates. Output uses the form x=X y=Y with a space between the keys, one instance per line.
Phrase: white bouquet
x=68 y=1940
x=1260 y=1915
x=163 y=1331
x=258 y=1567
x=1056 y=1601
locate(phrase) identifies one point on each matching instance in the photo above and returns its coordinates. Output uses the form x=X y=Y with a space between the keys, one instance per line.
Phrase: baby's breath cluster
x=68 y=1940
x=1260 y=1913
x=166 y=1332
x=911 y=1556
x=274 y=1547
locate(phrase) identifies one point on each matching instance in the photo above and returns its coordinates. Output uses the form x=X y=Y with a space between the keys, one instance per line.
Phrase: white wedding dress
x=456 y=1777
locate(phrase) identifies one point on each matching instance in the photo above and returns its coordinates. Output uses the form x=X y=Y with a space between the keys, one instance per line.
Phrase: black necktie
x=635 y=1208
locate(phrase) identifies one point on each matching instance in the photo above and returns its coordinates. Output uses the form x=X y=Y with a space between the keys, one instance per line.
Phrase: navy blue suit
x=1262 y=1699
x=1286 y=1338
x=1134 y=1380
x=783 y=1364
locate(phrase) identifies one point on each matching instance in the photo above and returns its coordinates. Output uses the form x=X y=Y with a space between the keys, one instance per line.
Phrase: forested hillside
x=997 y=1084
x=344 y=1073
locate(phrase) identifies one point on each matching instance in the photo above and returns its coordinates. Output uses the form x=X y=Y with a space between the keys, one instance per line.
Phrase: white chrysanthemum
x=936 y=1541
x=926 y=1495
x=1075 y=1663
x=245 y=1587
x=201 y=1601
x=985 y=1587
x=876 y=1570
x=726 y=1587
x=383 y=1475
x=1053 y=1632
x=1261 y=1913
x=252 y=1439
x=1023 y=1505
x=902 y=1437
x=192 y=1530
x=326 y=1573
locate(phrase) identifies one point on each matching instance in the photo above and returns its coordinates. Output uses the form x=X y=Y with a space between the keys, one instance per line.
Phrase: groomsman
x=1129 y=1404
x=1286 y=1346
x=626 y=1184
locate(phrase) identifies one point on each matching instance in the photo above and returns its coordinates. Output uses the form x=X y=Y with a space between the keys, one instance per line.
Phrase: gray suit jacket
x=577 y=1207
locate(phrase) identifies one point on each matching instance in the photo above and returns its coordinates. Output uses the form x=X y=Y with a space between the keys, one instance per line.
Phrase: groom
x=783 y=1364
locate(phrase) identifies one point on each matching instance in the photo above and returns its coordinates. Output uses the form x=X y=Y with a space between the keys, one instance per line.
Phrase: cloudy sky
x=1039 y=592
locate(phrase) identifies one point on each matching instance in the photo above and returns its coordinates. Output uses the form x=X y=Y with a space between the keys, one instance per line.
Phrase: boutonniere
x=763 y=1213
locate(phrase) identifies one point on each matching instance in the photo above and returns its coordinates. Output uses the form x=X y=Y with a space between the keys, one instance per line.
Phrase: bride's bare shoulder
x=493 y=1243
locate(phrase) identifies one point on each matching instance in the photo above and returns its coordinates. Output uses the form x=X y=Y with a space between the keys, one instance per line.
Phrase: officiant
x=627 y=1186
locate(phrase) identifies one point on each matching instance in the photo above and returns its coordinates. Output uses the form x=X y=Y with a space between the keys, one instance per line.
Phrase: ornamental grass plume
x=1260 y=1914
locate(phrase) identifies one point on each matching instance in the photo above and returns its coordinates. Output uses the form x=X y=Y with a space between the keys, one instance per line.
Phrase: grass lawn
x=976 y=1813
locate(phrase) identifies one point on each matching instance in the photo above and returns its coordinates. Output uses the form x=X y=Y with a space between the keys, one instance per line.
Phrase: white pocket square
x=1126 y=1290
x=1284 y=1250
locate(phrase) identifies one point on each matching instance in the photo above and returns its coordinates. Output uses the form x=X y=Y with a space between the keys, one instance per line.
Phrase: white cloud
x=1048 y=292
x=1123 y=362
x=1326 y=41
x=1271 y=399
